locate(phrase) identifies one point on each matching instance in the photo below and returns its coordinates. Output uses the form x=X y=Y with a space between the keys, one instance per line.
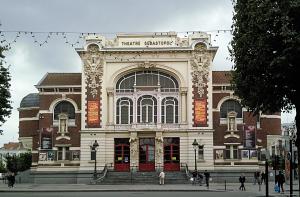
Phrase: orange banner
x=93 y=112
x=200 y=111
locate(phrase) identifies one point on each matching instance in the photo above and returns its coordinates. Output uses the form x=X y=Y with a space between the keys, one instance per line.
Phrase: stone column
x=183 y=93
x=134 y=151
x=159 y=151
x=110 y=109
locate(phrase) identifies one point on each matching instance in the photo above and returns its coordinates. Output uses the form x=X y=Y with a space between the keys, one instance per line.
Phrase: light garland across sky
x=66 y=36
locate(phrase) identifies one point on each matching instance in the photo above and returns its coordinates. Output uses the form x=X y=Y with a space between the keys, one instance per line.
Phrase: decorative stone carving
x=147 y=65
x=93 y=70
x=200 y=63
x=182 y=42
x=159 y=146
x=133 y=147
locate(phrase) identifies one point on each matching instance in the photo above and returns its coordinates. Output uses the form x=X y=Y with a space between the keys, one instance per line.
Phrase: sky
x=29 y=61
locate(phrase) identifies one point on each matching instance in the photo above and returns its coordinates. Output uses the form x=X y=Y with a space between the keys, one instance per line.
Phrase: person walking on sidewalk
x=242 y=180
x=259 y=181
x=162 y=178
x=207 y=176
x=281 y=181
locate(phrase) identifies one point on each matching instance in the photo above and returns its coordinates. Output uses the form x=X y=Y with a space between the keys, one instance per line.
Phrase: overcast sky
x=30 y=62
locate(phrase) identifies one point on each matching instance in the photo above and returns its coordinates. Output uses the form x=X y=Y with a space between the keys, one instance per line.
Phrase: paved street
x=74 y=190
x=128 y=194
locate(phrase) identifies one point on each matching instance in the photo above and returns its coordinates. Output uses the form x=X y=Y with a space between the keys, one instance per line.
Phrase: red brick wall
x=28 y=128
x=217 y=97
x=271 y=125
x=28 y=113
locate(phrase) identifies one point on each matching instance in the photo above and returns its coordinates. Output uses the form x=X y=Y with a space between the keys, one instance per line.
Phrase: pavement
x=215 y=187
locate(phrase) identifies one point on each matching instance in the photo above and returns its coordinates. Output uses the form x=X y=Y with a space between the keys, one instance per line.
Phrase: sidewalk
x=216 y=187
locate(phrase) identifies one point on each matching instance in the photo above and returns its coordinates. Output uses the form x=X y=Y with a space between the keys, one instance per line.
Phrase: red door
x=147 y=154
x=122 y=154
x=171 y=154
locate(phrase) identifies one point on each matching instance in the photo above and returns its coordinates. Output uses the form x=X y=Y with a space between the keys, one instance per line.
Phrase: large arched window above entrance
x=231 y=106
x=169 y=110
x=147 y=79
x=124 y=111
x=147 y=109
x=64 y=107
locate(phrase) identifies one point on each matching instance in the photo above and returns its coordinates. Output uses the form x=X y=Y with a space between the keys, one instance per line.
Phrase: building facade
x=144 y=98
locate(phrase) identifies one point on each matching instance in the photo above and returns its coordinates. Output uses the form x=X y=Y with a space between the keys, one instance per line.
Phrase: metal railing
x=102 y=174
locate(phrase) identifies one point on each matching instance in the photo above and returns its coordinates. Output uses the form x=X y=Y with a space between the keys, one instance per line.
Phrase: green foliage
x=5 y=103
x=2 y=166
x=18 y=163
x=265 y=50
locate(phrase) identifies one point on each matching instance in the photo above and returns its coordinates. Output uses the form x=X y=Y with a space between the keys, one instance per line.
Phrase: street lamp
x=292 y=139
x=94 y=152
x=195 y=146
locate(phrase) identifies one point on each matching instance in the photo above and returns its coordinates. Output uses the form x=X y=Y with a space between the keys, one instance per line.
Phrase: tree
x=5 y=103
x=265 y=50
x=18 y=163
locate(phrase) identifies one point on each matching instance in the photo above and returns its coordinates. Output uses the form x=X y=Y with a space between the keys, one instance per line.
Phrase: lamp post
x=195 y=146
x=94 y=151
x=292 y=139
x=267 y=154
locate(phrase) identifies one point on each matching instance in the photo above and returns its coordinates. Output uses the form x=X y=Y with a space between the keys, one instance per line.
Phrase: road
x=128 y=194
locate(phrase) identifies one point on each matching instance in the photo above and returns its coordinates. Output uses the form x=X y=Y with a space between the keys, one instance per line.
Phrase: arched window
x=66 y=108
x=169 y=110
x=147 y=109
x=124 y=111
x=154 y=79
x=229 y=106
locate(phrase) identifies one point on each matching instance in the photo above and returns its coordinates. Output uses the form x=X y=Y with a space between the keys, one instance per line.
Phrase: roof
x=13 y=146
x=31 y=100
x=56 y=79
x=221 y=77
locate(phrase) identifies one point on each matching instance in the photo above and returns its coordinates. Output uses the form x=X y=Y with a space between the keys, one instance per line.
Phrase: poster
x=46 y=138
x=253 y=154
x=245 y=154
x=200 y=111
x=93 y=112
x=249 y=136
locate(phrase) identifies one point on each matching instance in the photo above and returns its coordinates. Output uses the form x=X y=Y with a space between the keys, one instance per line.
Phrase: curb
x=110 y=190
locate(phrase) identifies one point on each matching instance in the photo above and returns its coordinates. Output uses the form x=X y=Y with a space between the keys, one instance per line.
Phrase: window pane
x=231 y=105
x=64 y=107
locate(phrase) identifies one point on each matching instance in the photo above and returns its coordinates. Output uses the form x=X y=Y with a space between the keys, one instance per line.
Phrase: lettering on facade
x=147 y=43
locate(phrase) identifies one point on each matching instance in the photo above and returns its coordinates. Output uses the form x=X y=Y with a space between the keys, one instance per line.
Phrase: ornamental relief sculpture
x=200 y=63
x=93 y=70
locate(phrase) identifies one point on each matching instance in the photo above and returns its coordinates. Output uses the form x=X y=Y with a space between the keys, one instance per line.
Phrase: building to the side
x=145 y=99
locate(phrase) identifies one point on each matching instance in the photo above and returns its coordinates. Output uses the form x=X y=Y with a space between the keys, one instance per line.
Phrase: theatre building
x=145 y=99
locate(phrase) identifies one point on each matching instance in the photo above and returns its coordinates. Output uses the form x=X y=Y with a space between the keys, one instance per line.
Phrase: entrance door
x=147 y=154
x=171 y=154
x=122 y=154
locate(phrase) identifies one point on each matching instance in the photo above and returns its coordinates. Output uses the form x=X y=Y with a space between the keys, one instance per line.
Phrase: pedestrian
x=255 y=177
x=9 y=179
x=200 y=178
x=263 y=177
x=259 y=181
x=194 y=174
x=242 y=180
x=207 y=176
x=281 y=181
x=13 y=179
x=162 y=178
